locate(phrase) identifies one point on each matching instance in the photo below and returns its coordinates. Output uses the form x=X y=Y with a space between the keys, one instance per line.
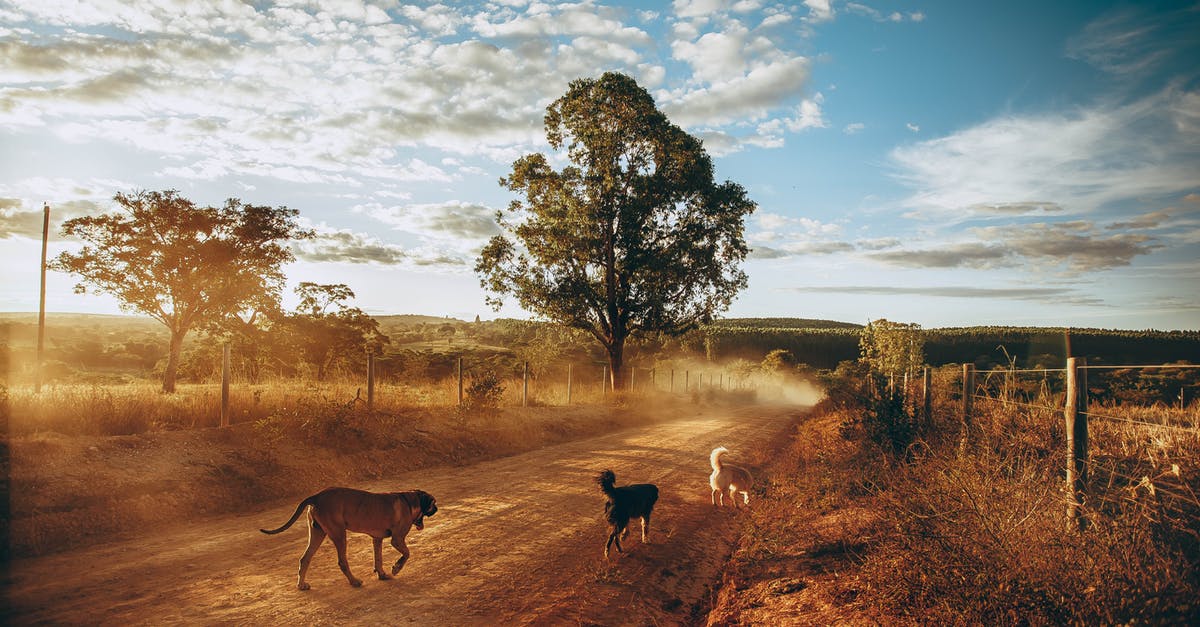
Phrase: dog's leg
x=614 y=538
x=378 y=546
x=715 y=492
x=339 y=542
x=316 y=535
x=399 y=544
x=733 y=496
x=645 y=528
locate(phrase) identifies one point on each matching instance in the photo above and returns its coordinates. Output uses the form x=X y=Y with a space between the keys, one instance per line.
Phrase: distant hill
x=410 y=319
x=783 y=323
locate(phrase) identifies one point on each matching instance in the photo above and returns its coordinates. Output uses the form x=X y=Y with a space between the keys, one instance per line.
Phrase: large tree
x=187 y=266
x=633 y=237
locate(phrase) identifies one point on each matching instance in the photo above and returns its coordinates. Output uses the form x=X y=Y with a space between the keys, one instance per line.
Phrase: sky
x=946 y=163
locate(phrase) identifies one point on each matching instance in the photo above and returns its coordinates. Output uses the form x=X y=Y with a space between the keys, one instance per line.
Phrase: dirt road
x=517 y=540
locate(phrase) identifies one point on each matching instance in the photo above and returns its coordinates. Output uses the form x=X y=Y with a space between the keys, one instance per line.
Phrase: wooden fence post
x=225 y=385
x=460 y=382
x=568 y=384
x=968 y=394
x=41 y=338
x=525 y=385
x=371 y=381
x=1081 y=374
x=926 y=399
x=1077 y=447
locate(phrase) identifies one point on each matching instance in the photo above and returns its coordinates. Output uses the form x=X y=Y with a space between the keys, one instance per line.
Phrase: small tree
x=892 y=348
x=633 y=237
x=778 y=362
x=325 y=336
x=186 y=266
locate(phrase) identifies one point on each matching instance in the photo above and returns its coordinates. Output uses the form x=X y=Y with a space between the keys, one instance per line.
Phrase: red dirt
x=517 y=540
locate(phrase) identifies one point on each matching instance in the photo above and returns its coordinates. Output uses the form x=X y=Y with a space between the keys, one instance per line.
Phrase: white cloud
x=819 y=10
x=338 y=92
x=1081 y=160
x=454 y=224
x=859 y=8
x=912 y=127
x=699 y=8
x=853 y=128
x=716 y=56
x=333 y=245
x=806 y=115
x=748 y=97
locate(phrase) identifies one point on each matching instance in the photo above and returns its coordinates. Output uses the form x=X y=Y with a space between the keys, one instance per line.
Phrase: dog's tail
x=299 y=508
x=607 y=480
x=715 y=458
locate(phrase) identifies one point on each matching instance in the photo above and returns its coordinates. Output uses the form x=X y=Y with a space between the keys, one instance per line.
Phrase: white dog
x=728 y=478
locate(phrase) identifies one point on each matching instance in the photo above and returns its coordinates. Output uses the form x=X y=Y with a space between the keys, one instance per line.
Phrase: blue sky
x=945 y=163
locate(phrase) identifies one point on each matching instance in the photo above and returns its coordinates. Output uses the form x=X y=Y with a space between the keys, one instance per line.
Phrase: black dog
x=624 y=503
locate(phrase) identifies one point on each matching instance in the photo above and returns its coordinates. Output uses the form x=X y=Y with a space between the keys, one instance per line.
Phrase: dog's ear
x=428 y=504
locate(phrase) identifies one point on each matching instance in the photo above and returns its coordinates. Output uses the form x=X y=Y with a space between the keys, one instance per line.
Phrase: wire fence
x=1078 y=409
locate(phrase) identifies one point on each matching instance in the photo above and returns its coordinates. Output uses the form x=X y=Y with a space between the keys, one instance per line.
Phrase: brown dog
x=338 y=510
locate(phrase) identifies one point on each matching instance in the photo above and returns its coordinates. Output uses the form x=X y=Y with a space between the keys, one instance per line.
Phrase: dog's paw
x=357 y=583
x=303 y=586
x=397 y=566
x=383 y=576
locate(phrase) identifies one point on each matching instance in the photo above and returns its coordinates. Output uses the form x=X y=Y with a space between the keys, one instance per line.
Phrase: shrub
x=484 y=393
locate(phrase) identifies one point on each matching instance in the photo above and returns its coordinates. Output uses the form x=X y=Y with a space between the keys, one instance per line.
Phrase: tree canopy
x=633 y=237
x=893 y=348
x=325 y=337
x=186 y=266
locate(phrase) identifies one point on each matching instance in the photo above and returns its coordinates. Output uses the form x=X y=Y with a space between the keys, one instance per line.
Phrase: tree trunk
x=616 y=359
x=168 y=385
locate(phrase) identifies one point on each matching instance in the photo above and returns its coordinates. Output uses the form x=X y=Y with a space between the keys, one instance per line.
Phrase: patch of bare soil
x=518 y=538
x=798 y=552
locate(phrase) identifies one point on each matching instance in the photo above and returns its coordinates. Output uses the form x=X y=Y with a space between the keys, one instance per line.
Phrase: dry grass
x=847 y=533
x=134 y=408
x=983 y=538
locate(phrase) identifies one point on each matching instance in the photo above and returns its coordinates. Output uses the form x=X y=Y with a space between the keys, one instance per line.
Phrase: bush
x=484 y=393
x=888 y=423
x=873 y=412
